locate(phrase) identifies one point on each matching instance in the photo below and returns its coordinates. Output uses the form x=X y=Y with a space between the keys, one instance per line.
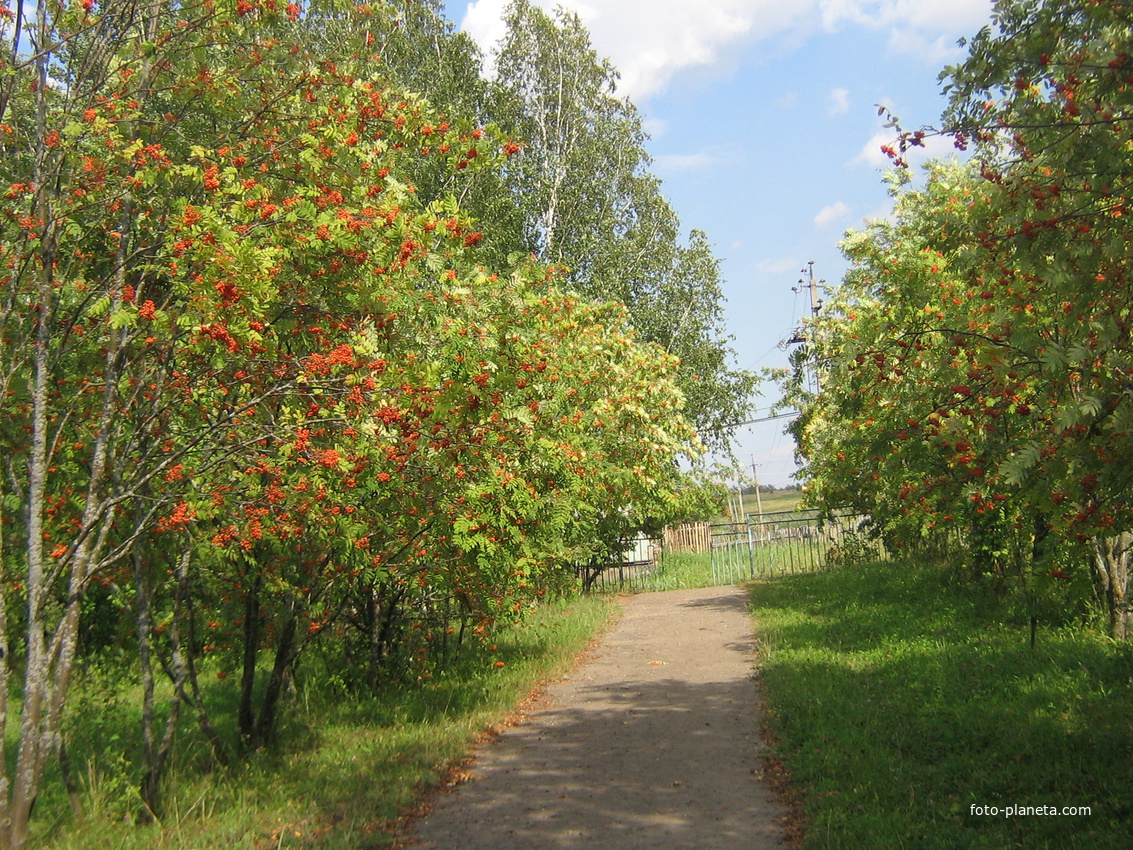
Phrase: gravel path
x=651 y=743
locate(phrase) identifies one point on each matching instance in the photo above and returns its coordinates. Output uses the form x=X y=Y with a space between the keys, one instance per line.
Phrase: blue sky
x=764 y=125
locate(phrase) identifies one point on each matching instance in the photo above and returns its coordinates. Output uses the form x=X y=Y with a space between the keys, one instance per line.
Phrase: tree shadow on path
x=630 y=753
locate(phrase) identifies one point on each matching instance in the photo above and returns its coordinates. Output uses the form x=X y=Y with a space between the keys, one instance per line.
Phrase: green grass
x=686 y=570
x=676 y=571
x=680 y=571
x=899 y=700
x=348 y=768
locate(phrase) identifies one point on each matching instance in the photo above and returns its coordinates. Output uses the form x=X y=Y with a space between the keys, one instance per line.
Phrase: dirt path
x=652 y=743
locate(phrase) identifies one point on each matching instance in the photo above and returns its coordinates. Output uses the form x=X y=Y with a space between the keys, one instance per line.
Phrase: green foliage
x=590 y=204
x=576 y=189
x=261 y=390
x=895 y=671
x=976 y=360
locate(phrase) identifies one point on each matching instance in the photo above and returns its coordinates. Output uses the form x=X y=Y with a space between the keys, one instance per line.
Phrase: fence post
x=713 y=559
x=750 y=546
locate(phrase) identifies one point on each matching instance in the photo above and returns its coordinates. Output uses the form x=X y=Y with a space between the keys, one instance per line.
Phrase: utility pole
x=758 y=497
x=809 y=282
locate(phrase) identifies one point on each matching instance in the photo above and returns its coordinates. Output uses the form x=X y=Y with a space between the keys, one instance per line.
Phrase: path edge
x=776 y=772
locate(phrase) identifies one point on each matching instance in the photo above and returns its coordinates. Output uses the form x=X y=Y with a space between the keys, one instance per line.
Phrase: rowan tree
x=251 y=374
x=1029 y=279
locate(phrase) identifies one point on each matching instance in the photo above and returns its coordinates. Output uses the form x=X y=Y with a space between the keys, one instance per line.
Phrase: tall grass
x=900 y=700
x=348 y=768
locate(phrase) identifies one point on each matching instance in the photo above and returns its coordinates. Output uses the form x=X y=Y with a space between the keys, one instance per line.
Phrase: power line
x=789 y=415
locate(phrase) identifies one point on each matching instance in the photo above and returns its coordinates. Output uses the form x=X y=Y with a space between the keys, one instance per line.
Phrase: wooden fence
x=691 y=537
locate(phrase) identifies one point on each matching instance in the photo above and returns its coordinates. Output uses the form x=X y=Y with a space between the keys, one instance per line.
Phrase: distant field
x=781 y=500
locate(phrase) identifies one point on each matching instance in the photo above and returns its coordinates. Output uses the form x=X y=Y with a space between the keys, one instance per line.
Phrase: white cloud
x=881 y=214
x=484 y=21
x=839 y=102
x=778 y=267
x=871 y=153
x=684 y=162
x=940 y=50
x=655 y=127
x=832 y=213
x=927 y=29
x=653 y=41
x=935 y=147
x=959 y=16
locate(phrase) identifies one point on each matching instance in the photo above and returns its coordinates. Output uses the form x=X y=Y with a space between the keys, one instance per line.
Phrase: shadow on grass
x=368 y=760
x=900 y=702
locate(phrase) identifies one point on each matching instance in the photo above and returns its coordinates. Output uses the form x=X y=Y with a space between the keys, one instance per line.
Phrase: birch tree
x=590 y=203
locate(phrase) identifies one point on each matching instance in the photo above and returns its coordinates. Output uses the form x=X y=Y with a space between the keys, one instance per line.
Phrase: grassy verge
x=350 y=767
x=899 y=702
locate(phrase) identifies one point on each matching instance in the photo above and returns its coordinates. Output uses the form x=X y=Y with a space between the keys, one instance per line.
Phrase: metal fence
x=786 y=543
x=764 y=545
x=634 y=571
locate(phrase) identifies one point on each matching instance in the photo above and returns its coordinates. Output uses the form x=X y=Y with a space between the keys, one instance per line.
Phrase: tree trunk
x=155 y=755
x=219 y=752
x=385 y=604
x=246 y=715
x=373 y=617
x=1111 y=564
x=284 y=656
x=17 y=807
